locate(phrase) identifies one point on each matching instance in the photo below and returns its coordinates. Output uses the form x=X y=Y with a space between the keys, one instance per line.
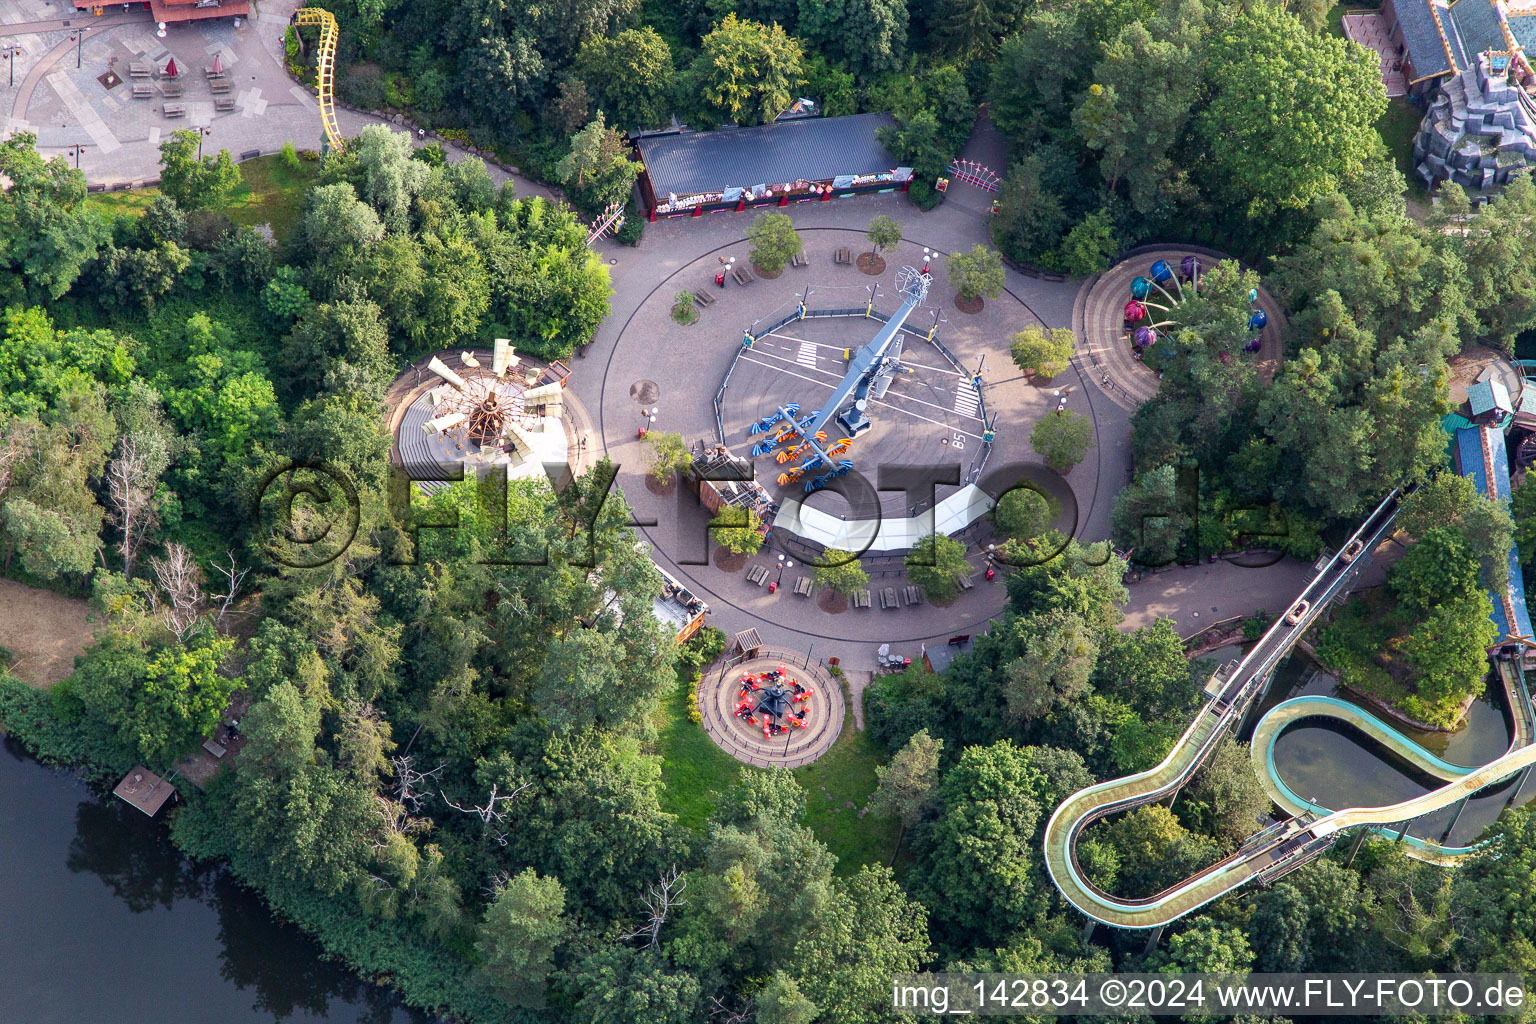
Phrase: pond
x=105 y=921
x=1338 y=766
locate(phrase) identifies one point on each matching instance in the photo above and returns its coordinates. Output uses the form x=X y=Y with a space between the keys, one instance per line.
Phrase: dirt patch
x=727 y=560
x=660 y=489
x=831 y=602
x=1467 y=364
x=965 y=305
x=766 y=275
x=871 y=263
x=44 y=630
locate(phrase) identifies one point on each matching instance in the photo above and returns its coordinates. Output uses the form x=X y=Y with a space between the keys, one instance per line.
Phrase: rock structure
x=1480 y=128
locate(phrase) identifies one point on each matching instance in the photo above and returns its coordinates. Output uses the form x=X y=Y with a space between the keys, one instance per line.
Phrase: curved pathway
x=718 y=695
x=1103 y=334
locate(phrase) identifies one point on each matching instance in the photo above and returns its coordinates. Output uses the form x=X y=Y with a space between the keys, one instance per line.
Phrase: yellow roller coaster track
x=324 y=76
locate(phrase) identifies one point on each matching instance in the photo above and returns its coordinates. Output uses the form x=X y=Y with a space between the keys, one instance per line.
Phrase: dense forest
x=453 y=769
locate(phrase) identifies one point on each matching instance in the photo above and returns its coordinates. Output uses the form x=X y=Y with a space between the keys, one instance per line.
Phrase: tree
x=907 y=784
x=1206 y=947
x=937 y=564
x=1042 y=351
x=1055 y=671
x=391 y=178
x=1031 y=217
x=159 y=703
x=868 y=931
x=340 y=347
x=982 y=874
x=973 y=28
x=337 y=231
x=1062 y=439
x=196 y=184
x=781 y=1002
x=619 y=985
x=1025 y=513
x=1154 y=850
x=842 y=572
x=774 y=241
x=522 y=928
x=1281 y=146
x=1439 y=567
x=571 y=106
x=869 y=36
x=976 y=273
x=1090 y=245
x=884 y=233
x=47 y=233
x=669 y=455
x=132 y=479
x=631 y=76
x=1225 y=799
x=747 y=70
x=738 y=530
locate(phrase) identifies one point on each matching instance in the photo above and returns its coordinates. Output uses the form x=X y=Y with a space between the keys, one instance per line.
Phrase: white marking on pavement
x=78 y=105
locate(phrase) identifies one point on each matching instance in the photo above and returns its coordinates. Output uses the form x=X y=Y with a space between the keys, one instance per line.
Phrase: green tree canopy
x=196 y=184
x=976 y=273
x=631 y=76
x=937 y=564
x=1062 y=439
x=1042 y=351
x=747 y=71
x=774 y=241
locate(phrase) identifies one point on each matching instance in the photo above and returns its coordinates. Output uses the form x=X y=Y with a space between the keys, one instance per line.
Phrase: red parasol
x=218 y=64
x=170 y=68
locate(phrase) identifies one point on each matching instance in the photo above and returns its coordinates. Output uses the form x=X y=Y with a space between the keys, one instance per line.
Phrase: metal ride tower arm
x=325 y=61
x=914 y=288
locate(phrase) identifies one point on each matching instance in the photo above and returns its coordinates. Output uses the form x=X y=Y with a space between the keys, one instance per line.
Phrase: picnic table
x=803 y=586
x=844 y=255
x=888 y=598
x=702 y=299
x=142 y=90
x=175 y=110
x=139 y=69
x=799 y=260
x=170 y=87
x=223 y=103
x=861 y=598
x=757 y=574
x=912 y=595
x=967 y=582
x=742 y=275
x=219 y=85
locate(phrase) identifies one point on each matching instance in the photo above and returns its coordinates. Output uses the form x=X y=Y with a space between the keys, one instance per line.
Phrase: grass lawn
x=694 y=772
x=1398 y=126
x=272 y=194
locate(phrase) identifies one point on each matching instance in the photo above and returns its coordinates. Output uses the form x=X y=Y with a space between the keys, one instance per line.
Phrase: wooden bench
x=912 y=595
x=170 y=88
x=222 y=103
x=799 y=260
x=175 y=110
x=220 y=85
x=138 y=69
x=803 y=586
x=703 y=299
x=757 y=575
x=861 y=598
x=844 y=255
x=742 y=275
x=966 y=583
x=888 y=598
x=142 y=90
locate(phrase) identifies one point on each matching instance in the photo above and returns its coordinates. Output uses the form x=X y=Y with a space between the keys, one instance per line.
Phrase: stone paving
x=719 y=692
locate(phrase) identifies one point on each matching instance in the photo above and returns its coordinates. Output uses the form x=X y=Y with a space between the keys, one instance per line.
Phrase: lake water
x=102 y=921
x=1338 y=766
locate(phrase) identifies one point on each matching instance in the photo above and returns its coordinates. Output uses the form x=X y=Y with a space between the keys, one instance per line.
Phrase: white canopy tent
x=950 y=516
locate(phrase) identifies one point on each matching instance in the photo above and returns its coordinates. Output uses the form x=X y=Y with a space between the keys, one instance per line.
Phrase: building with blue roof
x=1480 y=454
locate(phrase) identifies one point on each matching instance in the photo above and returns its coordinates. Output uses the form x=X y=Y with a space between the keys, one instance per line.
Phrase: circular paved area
x=682 y=366
x=1109 y=347
x=719 y=694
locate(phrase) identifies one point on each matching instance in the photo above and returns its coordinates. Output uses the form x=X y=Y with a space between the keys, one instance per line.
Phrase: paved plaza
x=92 y=106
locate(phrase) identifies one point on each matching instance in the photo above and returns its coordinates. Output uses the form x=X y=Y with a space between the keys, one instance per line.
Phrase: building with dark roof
x=1436 y=38
x=179 y=10
x=692 y=173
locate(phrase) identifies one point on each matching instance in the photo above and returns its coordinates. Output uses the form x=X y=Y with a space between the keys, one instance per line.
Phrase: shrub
x=632 y=229
x=289 y=156
x=362 y=86
x=1255 y=625
x=683 y=311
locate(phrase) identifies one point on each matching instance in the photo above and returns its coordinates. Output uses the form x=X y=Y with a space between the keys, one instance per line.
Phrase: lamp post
x=201 y=133
x=927 y=255
x=9 y=56
x=79 y=40
x=781 y=568
x=76 y=149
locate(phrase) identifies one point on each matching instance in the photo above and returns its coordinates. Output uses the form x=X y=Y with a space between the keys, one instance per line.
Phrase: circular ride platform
x=1108 y=342
x=720 y=692
x=929 y=415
